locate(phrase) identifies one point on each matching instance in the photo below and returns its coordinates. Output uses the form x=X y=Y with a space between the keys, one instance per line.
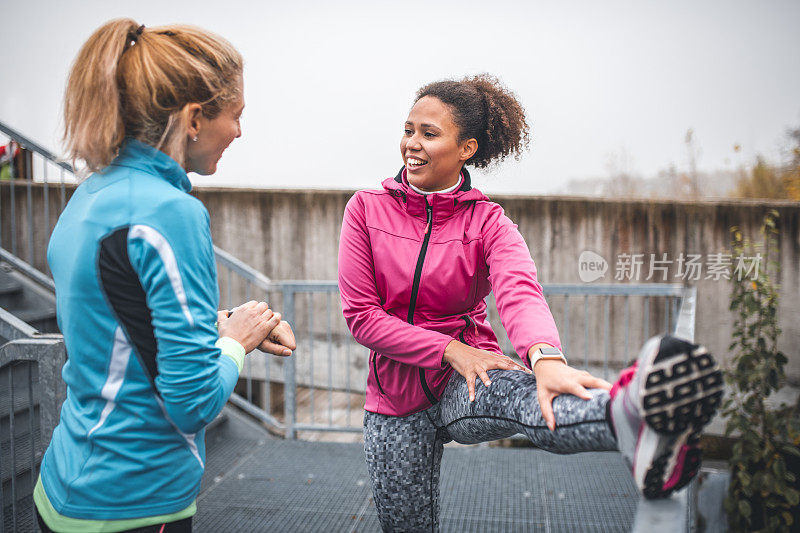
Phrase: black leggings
x=404 y=453
x=181 y=526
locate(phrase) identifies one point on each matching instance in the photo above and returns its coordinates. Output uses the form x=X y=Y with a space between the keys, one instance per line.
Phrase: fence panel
x=602 y=328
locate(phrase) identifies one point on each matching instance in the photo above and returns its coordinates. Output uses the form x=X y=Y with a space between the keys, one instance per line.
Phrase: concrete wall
x=294 y=235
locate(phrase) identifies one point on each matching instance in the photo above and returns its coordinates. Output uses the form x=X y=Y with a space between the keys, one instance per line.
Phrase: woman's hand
x=471 y=362
x=280 y=340
x=554 y=377
x=249 y=326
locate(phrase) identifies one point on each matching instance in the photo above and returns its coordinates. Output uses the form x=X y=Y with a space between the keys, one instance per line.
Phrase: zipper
x=469 y=323
x=415 y=290
x=420 y=260
x=375 y=370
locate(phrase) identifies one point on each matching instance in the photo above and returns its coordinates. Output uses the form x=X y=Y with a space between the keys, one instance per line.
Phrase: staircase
x=29 y=405
x=27 y=300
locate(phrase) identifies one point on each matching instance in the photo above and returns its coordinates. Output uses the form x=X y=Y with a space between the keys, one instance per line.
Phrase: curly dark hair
x=485 y=110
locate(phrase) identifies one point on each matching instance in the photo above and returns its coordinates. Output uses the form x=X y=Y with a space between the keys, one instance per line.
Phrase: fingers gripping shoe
x=659 y=406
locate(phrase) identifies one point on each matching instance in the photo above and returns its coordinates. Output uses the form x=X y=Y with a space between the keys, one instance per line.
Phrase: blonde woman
x=136 y=287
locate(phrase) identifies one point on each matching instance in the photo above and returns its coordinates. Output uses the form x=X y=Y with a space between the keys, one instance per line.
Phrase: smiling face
x=213 y=137
x=430 y=147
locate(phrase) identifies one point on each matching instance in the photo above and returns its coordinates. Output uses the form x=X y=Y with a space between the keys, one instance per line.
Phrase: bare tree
x=693 y=153
x=622 y=182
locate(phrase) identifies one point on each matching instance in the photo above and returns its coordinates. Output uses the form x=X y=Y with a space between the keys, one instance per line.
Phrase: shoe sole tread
x=680 y=396
x=682 y=392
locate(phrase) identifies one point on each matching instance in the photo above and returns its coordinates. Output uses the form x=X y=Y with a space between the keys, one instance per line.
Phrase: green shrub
x=763 y=493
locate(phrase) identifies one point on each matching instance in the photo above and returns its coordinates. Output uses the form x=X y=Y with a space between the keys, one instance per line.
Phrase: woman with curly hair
x=416 y=261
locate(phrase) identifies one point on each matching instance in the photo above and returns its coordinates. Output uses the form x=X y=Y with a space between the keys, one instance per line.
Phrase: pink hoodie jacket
x=413 y=274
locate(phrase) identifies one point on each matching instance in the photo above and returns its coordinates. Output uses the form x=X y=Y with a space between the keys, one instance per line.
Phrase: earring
x=195 y=138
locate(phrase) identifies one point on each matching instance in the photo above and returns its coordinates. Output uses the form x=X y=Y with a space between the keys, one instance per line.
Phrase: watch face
x=549 y=350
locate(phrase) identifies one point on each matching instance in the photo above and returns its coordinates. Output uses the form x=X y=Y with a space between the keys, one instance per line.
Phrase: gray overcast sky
x=328 y=84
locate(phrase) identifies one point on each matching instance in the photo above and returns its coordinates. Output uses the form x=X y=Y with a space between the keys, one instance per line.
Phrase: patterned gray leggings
x=404 y=453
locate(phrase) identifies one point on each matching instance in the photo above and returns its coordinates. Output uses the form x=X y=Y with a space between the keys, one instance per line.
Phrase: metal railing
x=34 y=164
x=329 y=367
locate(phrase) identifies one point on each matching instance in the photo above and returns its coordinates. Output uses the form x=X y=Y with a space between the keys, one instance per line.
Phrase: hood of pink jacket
x=445 y=205
x=413 y=274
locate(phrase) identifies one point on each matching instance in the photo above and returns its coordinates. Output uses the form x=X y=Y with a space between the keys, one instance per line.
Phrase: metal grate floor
x=257 y=483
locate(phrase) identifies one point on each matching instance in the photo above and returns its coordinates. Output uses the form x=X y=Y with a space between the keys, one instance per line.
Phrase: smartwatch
x=547 y=352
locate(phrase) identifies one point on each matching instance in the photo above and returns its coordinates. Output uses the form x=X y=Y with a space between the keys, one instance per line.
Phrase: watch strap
x=550 y=353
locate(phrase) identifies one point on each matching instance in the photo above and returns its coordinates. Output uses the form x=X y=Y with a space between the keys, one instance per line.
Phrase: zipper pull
x=429 y=216
x=472 y=323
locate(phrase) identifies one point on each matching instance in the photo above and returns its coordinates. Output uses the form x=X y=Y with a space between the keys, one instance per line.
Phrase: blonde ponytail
x=128 y=80
x=93 y=127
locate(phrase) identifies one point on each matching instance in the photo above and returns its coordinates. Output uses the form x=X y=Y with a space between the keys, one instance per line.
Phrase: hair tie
x=135 y=35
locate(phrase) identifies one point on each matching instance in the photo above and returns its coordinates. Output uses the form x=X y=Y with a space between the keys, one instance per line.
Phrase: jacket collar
x=466 y=185
x=444 y=205
x=140 y=156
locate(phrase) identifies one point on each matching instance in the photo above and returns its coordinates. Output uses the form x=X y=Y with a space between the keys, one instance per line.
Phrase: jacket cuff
x=445 y=343
x=232 y=349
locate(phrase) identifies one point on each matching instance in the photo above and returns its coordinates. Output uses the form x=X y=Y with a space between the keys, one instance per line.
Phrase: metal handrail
x=28 y=271
x=609 y=289
x=25 y=142
x=12 y=328
x=243 y=269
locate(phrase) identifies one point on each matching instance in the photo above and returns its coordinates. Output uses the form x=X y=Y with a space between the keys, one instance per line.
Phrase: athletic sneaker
x=659 y=406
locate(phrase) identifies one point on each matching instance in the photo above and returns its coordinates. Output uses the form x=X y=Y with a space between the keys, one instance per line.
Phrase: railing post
x=676 y=513
x=684 y=325
x=29 y=207
x=49 y=352
x=289 y=396
x=12 y=199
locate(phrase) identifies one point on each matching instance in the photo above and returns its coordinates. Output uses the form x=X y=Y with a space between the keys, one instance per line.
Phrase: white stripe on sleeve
x=157 y=241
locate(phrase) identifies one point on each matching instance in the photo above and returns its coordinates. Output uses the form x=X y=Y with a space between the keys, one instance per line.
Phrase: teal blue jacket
x=136 y=290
